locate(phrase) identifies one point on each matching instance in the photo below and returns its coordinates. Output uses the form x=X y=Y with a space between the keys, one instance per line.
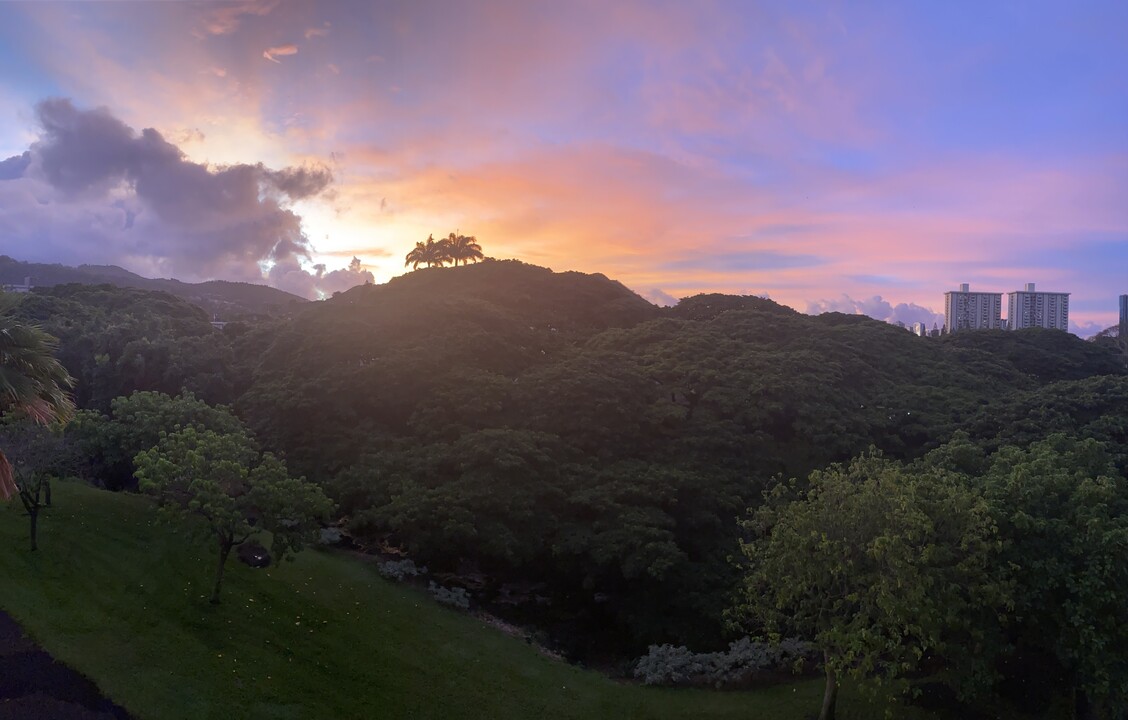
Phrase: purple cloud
x=658 y=297
x=878 y=308
x=93 y=189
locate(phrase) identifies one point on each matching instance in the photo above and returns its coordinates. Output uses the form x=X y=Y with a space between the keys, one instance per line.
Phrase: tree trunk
x=31 y=505
x=33 y=514
x=830 y=696
x=224 y=551
x=46 y=493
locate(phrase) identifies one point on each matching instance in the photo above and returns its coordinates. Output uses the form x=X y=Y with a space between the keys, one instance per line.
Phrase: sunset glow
x=862 y=158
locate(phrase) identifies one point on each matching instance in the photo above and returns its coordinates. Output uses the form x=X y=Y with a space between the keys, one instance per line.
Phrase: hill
x=510 y=424
x=1046 y=355
x=322 y=637
x=517 y=428
x=229 y=300
x=115 y=340
x=375 y=351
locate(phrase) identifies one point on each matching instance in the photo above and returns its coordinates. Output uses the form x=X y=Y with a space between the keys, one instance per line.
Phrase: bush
x=399 y=569
x=669 y=665
x=455 y=597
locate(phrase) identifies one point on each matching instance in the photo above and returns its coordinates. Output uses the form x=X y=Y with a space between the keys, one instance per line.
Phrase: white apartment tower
x=1030 y=309
x=966 y=310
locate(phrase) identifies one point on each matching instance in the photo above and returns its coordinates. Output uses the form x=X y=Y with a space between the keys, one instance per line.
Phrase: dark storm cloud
x=14 y=166
x=81 y=151
x=300 y=182
x=136 y=196
x=84 y=149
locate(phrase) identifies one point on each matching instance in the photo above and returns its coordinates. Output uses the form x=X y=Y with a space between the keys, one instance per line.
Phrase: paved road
x=33 y=686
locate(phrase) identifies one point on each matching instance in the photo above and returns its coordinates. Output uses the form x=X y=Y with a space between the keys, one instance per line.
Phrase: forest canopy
x=511 y=426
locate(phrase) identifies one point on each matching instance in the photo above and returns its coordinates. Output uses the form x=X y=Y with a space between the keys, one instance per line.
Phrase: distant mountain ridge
x=228 y=300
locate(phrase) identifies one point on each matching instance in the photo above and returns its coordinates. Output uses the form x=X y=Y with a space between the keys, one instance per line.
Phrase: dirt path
x=33 y=686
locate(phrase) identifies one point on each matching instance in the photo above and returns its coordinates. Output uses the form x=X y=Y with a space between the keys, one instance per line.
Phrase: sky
x=859 y=157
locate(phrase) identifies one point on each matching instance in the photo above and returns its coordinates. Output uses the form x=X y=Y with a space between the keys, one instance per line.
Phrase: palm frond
x=32 y=381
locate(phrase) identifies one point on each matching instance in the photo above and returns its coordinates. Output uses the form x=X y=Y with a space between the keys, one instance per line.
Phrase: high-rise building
x=1029 y=309
x=1124 y=316
x=966 y=310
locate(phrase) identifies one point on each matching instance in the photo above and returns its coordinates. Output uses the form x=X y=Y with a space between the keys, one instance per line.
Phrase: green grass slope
x=122 y=599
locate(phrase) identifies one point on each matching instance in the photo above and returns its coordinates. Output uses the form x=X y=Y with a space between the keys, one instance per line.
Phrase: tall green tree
x=876 y=564
x=232 y=494
x=32 y=383
x=1062 y=507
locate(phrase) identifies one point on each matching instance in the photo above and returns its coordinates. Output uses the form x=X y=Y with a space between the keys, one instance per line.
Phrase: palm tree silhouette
x=418 y=255
x=32 y=382
x=431 y=253
x=440 y=250
x=450 y=249
x=464 y=248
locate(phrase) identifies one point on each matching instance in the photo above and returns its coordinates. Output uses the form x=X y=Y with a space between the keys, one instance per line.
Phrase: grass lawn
x=123 y=599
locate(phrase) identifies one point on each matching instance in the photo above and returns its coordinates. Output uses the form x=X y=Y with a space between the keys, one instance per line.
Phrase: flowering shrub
x=399 y=569
x=455 y=597
x=669 y=665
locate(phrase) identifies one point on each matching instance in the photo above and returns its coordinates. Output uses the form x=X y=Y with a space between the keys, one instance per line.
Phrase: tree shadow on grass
x=35 y=686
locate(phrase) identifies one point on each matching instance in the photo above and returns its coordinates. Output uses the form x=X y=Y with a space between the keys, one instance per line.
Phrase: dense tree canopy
x=518 y=427
x=108 y=443
x=115 y=341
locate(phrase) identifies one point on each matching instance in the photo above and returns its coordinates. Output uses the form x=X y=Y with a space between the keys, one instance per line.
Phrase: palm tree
x=32 y=383
x=432 y=253
x=464 y=248
x=440 y=250
x=418 y=256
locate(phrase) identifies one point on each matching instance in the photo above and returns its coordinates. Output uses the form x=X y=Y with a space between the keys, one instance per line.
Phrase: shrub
x=399 y=569
x=669 y=665
x=455 y=597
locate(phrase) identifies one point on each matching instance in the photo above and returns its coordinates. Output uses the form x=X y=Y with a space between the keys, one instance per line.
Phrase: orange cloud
x=272 y=53
x=693 y=149
x=682 y=228
x=224 y=18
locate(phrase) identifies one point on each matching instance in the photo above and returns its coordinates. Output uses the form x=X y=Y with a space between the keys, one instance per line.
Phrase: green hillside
x=554 y=428
x=116 y=340
x=122 y=600
x=524 y=426
x=580 y=461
